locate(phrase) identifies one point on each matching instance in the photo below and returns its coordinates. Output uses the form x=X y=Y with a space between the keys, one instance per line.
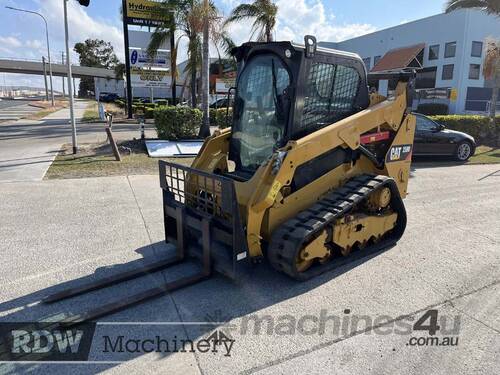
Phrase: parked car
x=432 y=138
x=108 y=97
x=221 y=103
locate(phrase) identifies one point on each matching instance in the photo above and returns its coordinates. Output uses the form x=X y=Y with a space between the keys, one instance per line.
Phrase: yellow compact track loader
x=311 y=174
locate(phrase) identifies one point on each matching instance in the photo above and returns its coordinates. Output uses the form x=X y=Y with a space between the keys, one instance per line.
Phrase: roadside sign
x=150 y=78
x=453 y=94
x=150 y=14
x=224 y=84
x=133 y=57
x=145 y=13
x=139 y=58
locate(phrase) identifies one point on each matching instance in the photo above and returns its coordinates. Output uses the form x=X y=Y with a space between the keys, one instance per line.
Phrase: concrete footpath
x=55 y=233
x=27 y=148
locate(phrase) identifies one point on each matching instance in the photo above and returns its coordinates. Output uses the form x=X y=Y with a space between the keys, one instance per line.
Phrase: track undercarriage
x=323 y=236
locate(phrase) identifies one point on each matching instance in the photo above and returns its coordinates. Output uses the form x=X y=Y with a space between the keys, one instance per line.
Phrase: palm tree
x=205 y=71
x=491 y=71
x=203 y=19
x=221 y=40
x=263 y=12
x=185 y=22
x=160 y=36
x=215 y=31
x=489 y=6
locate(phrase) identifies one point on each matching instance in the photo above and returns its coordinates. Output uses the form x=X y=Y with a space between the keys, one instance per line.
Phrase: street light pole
x=45 y=79
x=48 y=44
x=70 y=78
x=63 y=85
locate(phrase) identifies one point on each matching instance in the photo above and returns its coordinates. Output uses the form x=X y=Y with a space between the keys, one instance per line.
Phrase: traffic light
x=85 y=3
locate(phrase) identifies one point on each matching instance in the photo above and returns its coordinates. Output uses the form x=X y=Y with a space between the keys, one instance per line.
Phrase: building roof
x=400 y=58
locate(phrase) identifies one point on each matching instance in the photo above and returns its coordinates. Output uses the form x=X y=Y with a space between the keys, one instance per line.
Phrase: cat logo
x=399 y=153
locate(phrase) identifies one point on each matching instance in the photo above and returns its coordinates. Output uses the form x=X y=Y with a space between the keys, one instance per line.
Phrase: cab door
x=423 y=143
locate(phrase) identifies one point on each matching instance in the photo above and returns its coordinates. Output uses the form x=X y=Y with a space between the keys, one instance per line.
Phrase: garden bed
x=96 y=160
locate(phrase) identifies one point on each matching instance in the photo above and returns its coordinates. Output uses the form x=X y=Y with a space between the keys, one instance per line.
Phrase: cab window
x=424 y=124
x=330 y=95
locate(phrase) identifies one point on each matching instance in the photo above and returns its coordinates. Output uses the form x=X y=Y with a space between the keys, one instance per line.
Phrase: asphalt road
x=16 y=109
x=54 y=233
x=5 y=103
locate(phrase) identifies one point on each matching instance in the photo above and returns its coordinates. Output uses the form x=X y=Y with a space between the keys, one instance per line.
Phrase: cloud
x=240 y=31
x=81 y=25
x=35 y=44
x=10 y=42
x=16 y=47
x=297 y=18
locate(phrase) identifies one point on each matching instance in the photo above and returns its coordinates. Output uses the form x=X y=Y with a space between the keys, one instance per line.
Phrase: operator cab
x=285 y=91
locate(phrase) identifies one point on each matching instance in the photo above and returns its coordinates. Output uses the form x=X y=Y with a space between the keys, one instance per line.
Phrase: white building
x=109 y=86
x=115 y=86
x=450 y=48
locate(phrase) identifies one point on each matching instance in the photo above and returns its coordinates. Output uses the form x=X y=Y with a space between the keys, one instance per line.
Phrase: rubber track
x=290 y=237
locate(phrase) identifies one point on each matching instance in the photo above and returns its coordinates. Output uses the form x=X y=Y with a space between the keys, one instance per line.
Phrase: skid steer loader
x=314 y=168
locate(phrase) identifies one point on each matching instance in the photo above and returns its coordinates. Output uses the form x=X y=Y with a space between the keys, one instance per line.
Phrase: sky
x=23 y=35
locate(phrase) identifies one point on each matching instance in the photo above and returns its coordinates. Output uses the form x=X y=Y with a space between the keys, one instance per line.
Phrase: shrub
x=432 y=109
x=479 y=127
x=149 y=113
x=120 y=103
x=221 y=117
x=177 y=122
x=162 y=102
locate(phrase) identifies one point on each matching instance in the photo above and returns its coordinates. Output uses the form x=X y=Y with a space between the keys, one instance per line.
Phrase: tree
x=205 y=71
x=193 y=19
x=221 y=40
x=161 y=35
x=120 y=71
x=95 y=53
x=263 y=12
x=185 y=20
x=489 y=6
x=491 y=71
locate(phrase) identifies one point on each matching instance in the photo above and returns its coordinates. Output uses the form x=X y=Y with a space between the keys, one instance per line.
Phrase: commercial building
x=446 y=49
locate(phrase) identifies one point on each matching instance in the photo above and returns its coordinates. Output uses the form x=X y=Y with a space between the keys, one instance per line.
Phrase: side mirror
x=441 y=127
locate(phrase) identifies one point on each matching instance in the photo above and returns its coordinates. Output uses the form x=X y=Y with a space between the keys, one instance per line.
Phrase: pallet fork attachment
x=174 y=210
x=137 y=298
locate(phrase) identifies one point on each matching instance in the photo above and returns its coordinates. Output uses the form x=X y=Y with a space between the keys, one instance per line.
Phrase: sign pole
x=127 y=60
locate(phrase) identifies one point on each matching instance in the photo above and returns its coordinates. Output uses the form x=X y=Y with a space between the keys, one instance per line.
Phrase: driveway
x=55 y=233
